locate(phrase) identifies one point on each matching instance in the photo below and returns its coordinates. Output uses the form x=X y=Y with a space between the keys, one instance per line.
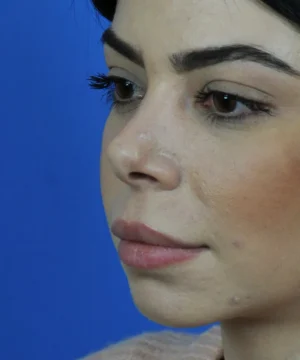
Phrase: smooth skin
x=234 y=186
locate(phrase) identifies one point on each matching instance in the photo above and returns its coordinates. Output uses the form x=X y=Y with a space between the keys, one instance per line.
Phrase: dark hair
x=289 y=9
x=106 y=8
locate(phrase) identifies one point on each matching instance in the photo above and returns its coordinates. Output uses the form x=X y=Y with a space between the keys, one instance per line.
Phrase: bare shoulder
x=158 y=345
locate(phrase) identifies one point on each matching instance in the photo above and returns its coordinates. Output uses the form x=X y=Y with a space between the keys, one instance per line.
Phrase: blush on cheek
x=267 y=194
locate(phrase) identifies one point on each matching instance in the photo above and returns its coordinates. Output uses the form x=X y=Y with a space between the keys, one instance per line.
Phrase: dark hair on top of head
x=106 y=8
x=289 y=9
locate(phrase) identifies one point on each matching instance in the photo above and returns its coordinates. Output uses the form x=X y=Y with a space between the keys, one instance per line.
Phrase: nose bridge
x=154 y=121
x=141 y=154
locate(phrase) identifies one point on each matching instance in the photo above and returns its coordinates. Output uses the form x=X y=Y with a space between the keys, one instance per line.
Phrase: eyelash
x=107 y=84
x=256 y=108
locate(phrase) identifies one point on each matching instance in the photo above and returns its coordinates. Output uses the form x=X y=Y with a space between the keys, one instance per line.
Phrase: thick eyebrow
x=110 y=38
x=187 y=61
x=195 y=59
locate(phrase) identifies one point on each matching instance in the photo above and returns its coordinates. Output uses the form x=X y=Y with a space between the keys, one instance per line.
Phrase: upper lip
x=139 y=232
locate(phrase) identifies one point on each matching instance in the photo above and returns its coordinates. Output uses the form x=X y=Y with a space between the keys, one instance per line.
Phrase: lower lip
x=145 y=256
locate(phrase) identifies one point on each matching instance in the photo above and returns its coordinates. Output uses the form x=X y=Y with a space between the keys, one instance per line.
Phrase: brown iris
x=124 y=90
x=222 y=102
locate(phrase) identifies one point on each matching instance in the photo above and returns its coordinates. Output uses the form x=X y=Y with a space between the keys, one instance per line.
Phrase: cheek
x=109 y=183
x=262 y=192
x=106 y=181
x=113 y=192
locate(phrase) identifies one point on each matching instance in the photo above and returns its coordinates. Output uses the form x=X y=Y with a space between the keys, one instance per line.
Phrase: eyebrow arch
x=187 y=61
x=110 y=38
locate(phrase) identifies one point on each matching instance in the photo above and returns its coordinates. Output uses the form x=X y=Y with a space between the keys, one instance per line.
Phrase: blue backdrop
x=58 y=300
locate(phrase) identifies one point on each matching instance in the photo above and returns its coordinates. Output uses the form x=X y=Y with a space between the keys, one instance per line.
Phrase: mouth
x=145 y=248
x=141 y=233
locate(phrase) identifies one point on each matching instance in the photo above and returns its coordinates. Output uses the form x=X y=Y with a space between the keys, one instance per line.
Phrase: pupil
x=124 y=90
x=224 y=103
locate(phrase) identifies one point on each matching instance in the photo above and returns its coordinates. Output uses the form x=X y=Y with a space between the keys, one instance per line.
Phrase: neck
x=261 y=340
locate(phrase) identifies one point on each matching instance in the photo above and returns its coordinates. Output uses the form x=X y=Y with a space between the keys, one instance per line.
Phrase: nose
x=141 y=163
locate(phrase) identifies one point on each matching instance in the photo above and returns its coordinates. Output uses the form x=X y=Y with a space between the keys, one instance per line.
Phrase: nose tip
x=143 y=169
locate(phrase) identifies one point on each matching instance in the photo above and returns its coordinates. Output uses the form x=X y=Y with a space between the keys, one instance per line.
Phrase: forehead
x=159 y=27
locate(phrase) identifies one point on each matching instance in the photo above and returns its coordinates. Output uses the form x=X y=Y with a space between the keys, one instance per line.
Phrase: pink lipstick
x=144 y=248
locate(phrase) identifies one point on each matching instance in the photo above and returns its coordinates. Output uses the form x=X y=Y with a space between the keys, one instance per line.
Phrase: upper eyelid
x=112 y=77
x=125 y=79
x=127 y=75
x=239 y=97
x=238 y=88
x=243 y=101
x=117 y=77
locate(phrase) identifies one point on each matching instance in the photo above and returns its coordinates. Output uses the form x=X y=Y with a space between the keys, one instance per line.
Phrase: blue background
x=59 y=299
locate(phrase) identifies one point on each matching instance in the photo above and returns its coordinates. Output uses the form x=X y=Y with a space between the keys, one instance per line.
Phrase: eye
x=227 y=104
x=119 y=91
x=230 y=107
x=223 y=103
x=125 y=90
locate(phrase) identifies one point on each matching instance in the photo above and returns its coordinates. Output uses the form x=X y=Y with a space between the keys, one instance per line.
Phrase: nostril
x=141 y=176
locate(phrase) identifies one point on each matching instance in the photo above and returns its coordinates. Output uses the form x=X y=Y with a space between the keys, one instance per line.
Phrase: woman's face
x=213 y=168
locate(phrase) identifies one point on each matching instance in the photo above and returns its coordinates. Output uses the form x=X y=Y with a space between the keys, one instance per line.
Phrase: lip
x=145 y=248
x=139 y=232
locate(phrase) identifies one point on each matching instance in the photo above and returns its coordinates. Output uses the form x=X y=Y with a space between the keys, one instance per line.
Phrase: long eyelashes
x=100 y=81
x=251 y=107
x=120 y=93
x=105 y=83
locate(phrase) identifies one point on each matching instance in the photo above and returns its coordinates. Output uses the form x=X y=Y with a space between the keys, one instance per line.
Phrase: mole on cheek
x=237 y=244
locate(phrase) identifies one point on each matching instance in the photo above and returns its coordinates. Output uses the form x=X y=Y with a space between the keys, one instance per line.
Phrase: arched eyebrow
x=190 y=60
x=111 y=39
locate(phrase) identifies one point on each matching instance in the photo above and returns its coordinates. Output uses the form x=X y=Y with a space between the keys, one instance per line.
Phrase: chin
x=172 y=319
x=164 y=305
